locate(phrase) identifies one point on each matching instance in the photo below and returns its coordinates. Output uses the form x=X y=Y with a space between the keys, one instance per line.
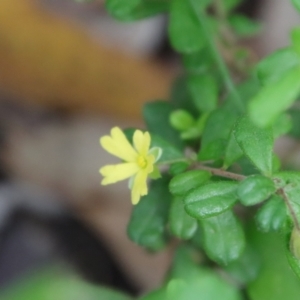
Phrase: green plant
x=234 y=206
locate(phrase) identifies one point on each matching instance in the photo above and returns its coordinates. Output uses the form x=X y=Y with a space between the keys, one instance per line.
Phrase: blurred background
x=68 y=73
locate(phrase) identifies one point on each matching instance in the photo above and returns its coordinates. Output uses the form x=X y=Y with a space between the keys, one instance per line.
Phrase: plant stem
x=173 y=161
x=201 y=17
x=221 y=173
x=282 y=193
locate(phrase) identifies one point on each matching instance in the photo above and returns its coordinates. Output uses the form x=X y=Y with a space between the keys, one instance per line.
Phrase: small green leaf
x=293 y=261
x=290 y=184
x=295 y=34
x=155 y=173
x=149 y=216
x=282 y=125
x=191 y=133
x=244 y=26
x=295 y=119
x=275 y=98
x=231 y=4
x=211 y=199
x=210 y=285
x=54 y=284
x=246 y=268
x=204 y=91
x=156 y=152
x=255 y=189
x=216 y=133
x=275 y=280
x=296 y=4
x=274 y=67
x=189 y=280
x=181 y=119
x=181 y=224
x=180 y=97
x=156 y=115
x=137 y=9
x=178 y=168
x=272 y=215
x=185 y=264
x=169 y=152
x=295 y=243
x=184 y=182
x=159 y=294
x=184 y=29
x=256 y=143
x=120 y=8
x=224 y=239
x=199 y=62
x=233 y=152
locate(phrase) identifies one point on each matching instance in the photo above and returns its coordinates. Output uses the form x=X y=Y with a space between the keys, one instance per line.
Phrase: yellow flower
x=138 y=160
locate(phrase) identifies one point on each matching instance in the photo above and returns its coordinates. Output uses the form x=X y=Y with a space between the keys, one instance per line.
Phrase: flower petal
x=114 y=173
x=150 y=164
x=156 y=152
x=118 y=145
x=141 y=141
x=139 y=186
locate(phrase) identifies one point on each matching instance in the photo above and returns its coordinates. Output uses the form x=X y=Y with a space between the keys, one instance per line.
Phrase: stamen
x=141 y=161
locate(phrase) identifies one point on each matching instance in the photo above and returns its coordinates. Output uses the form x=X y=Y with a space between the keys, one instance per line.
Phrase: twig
x=221 y=173
x=201 y=17
x=282 y=193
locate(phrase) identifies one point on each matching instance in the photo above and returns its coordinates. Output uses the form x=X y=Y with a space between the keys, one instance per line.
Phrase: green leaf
x=246 y=268
x=169 y=152
x=159 y=294
x=296 y=4
x=223 y=237
x=256 y=143
x=178 y=168
x=295 y=243
x=181 y=119
x=185 y=264
x=204 y=91
x=272 y=215
x=290 y=184
x=189 y=281
x=276 y=280
x=181 y=224
x=211 y=286
x=211 y=199
x=137 y=9
x=275 y=98
x=295 y=34
x=255 y=189
x=274 y=67
x=293 y=260
x=53 y=284
x=295 y=119
x=121 y=8
x=216 y=133
x=185 y=182
x=199 y=62
x=181 y=98
x=233 y=152
x=184 y=29
x=149 y=216
x=231 y=4
x=156 y=115
x=244 y=26
x=282 y=125
x=246 y=90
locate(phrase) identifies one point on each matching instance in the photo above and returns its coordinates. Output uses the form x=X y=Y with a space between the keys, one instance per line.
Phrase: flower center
x=141 y=161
